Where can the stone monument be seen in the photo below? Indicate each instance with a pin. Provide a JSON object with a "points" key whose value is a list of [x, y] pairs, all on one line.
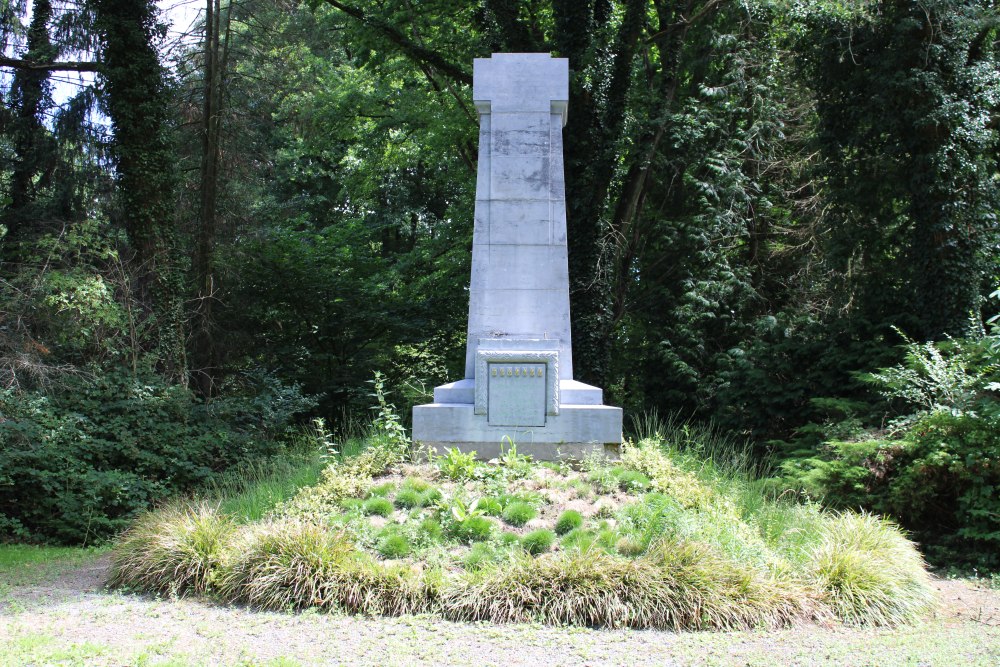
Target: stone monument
{"points": [[519, 356]]}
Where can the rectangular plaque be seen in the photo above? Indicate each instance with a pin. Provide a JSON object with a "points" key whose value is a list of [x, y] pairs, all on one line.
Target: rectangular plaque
{"points": [[516, 394]]}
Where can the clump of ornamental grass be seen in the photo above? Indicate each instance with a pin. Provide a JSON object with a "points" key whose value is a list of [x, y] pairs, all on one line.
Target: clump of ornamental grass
{"points": [[869, 573], [679, 587], [579, 539], [377, 506], [518, 513], [538, 541], [567, 521], [289, 564], [174, 550], [473, 529], [394, 546], [408, 499]]}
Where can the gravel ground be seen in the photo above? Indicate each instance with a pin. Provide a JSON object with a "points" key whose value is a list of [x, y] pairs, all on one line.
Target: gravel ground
{"points": [[70, 619]]}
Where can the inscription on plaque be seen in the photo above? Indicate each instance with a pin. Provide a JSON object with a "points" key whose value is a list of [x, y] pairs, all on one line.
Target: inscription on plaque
{"points": [[516, 394]]}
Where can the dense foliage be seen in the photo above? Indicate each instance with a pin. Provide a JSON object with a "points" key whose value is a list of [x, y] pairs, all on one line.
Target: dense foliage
{"points": [[767, 200]]}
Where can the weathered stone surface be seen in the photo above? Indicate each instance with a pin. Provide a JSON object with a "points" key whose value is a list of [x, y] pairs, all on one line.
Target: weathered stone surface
{"points": [[519, 288]]}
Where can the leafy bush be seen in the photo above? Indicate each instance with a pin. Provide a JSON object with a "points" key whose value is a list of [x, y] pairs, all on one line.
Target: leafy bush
{"points": [[935, 470], [567, 521], [519, 513], [457, 465], [538, 541], [77, 465]]}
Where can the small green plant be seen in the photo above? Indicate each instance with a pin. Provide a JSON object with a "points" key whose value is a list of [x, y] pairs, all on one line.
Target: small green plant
{"points": [[393, 546], [408, 499], [491, 505], [509, 458], [430, 497], [473, 529], [460, 511], [519, 513], [630, 546], [415, 484], [377, 506], [567, 521], [432, 529], [382, 490], [387, 425], [631, 480], [538, 541], [457, 465], [578, 538]]}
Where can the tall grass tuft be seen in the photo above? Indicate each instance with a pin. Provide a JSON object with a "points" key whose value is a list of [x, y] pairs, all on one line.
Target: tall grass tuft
{"points": [[869, 573], [286, 564], [175, 550], [678, 586]]}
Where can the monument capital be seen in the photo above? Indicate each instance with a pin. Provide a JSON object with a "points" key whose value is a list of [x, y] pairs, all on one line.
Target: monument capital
{"points": [[521, 83]]}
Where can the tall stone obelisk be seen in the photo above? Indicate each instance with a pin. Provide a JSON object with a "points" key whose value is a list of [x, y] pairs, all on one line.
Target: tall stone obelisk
{"points": [[519, 355]]}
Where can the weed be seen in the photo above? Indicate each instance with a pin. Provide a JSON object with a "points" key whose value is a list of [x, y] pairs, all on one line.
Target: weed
{"points": [[456, 465]]}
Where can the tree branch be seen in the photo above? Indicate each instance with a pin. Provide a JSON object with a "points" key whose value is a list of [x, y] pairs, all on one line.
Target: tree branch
{"points": [[82, 66], [408, 47]]}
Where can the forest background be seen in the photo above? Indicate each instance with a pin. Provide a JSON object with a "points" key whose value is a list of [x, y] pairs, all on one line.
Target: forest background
{"points": [[782, 221]]}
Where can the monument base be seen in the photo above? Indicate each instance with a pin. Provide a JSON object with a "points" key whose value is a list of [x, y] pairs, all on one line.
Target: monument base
{"points": [[443, 425]]}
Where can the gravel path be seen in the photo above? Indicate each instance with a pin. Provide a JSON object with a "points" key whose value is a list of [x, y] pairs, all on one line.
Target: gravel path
{"points": [[71, 619]]}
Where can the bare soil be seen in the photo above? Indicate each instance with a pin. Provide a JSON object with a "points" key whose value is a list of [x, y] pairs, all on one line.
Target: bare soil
{"points": [[69, 618]]}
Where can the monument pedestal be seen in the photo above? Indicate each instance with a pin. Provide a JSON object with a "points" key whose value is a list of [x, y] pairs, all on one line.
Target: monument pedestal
{"points": [[519, 358]]}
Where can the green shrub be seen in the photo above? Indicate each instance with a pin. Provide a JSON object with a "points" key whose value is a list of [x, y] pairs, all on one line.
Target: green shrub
{"points": [[174, 550], [457, 465], [519, 513], [937, 478], [79, 463], [377, 506], [538, 541], [408, 499], [567, 521], [393, 546]]}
